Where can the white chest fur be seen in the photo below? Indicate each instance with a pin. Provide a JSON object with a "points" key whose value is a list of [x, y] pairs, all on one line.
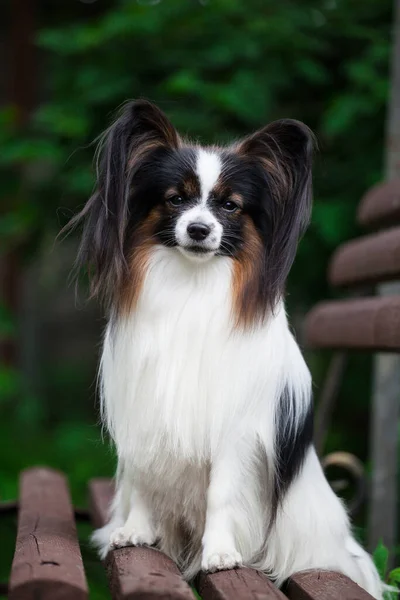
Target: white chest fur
{"points": [[177, 378]]}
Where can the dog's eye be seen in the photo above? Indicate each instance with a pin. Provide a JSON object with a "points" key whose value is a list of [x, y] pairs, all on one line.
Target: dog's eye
{"points": [[175, 200], [229, 206]]}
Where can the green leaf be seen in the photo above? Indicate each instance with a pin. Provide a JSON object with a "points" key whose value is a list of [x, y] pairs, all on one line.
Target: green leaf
{"points": [[381, 556], [333, 220], [196, 593], [63, 120], [313, 71], [345, 112], [23, 151], [394, 576]]}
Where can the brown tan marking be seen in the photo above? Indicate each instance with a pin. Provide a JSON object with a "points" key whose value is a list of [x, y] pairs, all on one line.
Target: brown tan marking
{"points": [[247, 273], [144, 241], [191, 186], [157, 132], [143, 147], [171, 192], [140, 152], [237, 199], [221, 189], [160, 123]]}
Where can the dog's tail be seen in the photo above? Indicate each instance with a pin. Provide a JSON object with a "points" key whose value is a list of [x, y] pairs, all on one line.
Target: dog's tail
{"points": [[369, 577]]}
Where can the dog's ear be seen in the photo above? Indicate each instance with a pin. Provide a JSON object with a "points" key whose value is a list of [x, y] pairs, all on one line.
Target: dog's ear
{"points": [[283, 151], [141, 129], [284, 148], [146, 128]]}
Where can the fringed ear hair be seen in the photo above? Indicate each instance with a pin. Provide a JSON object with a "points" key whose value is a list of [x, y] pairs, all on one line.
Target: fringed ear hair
{"points": [[283, 151], [140, 129]]}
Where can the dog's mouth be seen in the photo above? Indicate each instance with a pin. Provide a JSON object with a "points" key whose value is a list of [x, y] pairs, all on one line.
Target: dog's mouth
{"points": [[197, 251]]}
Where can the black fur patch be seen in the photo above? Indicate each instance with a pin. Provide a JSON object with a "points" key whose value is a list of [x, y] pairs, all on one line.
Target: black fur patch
{"points": [[291, 444], [161, 171]]}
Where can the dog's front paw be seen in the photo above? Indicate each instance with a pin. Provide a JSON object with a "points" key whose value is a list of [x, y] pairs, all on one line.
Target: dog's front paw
{"points": [[126, 536], [221, 560]]}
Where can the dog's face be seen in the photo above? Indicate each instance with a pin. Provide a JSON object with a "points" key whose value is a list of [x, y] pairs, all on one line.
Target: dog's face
{"points": [[249, 201], [199, 200], [201, 214]]}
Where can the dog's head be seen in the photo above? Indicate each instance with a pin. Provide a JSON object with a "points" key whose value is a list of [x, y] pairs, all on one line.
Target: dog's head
{"points": [[250, 201]]}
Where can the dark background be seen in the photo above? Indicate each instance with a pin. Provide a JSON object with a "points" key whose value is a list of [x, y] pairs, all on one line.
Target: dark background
{"points": [[219, 69]]}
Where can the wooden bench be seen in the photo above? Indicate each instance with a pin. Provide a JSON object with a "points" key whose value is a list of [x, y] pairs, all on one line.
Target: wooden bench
{"points": [[366, 323], [370, 323], [48, 564]]}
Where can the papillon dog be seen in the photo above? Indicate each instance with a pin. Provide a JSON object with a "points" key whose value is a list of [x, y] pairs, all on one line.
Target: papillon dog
{"points": [[204, 390]]}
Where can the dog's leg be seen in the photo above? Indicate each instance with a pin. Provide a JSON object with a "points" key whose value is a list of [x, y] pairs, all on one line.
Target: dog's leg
{"points": [[223, 505], [138, 529], [118, 512]]}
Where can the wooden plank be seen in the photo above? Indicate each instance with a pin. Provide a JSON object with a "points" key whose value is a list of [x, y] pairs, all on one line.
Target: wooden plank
{"points": [[47, 561], [324, 585], [134, 573], [363, 324], [238, 583], [381, 205], [370, 259]]}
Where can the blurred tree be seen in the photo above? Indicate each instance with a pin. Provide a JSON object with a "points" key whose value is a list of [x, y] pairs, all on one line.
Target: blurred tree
{"points": [[219, 69]]}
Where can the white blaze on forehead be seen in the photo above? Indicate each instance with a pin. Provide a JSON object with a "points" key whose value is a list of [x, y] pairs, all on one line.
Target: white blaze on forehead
{"points": [[208, 169]]}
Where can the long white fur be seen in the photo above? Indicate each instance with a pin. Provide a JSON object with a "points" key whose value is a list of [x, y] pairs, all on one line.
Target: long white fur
{"points": [[190, 404]]}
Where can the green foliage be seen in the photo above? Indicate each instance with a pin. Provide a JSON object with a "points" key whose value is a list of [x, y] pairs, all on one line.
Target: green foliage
{"points": [[394, 575], [219, 69], [381, 559]]}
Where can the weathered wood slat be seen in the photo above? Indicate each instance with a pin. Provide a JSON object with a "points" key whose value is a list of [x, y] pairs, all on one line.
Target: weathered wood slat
{"points": [[134, 573], [238, 583], [371, 259], [47, 561], [381, 205], [324, 585], [364, 324]]}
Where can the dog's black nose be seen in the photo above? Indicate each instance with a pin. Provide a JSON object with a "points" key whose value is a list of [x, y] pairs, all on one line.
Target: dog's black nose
{"points": [[198, 231]]}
